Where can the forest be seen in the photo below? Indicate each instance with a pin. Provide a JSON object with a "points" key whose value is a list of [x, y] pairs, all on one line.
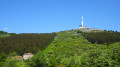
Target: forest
{"points": [[25, 42], [104, 37]]}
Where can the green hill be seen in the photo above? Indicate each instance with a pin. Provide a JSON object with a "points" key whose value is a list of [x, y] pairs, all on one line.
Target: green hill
{"points": [[71, 49]]}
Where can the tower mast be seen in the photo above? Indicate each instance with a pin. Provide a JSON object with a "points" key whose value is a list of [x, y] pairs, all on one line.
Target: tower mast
{"points": [[82, 21]]}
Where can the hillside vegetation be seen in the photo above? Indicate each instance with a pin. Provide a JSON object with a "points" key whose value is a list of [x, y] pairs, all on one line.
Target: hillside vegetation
{"points": [[22, 43], [71, 49], [3, 34]]}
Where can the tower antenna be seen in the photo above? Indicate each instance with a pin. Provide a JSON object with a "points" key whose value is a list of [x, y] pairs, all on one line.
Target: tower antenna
{"points": [[81, 26], [82, 21]]}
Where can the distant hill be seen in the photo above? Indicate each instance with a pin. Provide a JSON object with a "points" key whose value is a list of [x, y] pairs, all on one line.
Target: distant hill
{"points": [[72, 48]]}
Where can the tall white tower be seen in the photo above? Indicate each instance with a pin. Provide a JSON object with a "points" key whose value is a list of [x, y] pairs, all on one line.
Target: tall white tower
{"points": [[82, 21], [81, 26]]}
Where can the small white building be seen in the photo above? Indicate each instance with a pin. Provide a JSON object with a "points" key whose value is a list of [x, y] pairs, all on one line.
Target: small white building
{"points": [[27, 56], [82, 27]]}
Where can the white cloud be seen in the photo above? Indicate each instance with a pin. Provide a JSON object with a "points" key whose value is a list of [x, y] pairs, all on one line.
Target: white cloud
{"points": [[5, 28]]}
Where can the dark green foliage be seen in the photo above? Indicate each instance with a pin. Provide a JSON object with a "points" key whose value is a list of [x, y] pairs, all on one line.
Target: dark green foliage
{"points": [[22, 43], [105, 37], [2, 58], [2, 32], [79, 31], [12, 34]]}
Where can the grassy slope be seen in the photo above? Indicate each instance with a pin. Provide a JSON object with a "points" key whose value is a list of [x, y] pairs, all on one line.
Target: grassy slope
{"points": [[67, 41], [70, 48]]}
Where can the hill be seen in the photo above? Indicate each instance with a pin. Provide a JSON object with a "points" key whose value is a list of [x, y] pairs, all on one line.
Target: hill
{"points": [[72, 49]]}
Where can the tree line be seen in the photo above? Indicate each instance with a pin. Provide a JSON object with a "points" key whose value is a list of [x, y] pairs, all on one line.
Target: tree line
{"points": [[25, 42], [104, 37]]}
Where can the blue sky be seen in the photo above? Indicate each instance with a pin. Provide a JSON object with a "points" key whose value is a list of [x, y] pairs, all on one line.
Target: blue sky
{"points": [[45, 16]]}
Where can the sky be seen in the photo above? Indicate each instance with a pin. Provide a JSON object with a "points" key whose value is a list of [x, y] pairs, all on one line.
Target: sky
{"points": [[46, 16]]}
